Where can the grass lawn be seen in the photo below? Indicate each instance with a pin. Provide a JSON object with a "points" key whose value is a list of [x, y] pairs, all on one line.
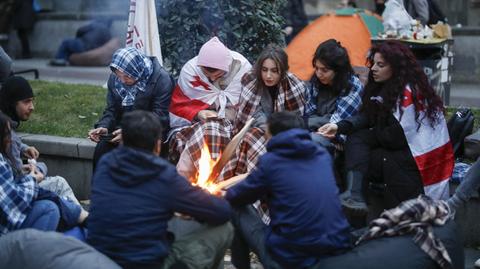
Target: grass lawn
{"points": [[64, 109], [71, 110]]}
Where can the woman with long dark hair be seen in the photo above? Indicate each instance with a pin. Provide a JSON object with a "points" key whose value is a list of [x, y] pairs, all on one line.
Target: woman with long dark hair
{"points": [[267, 89], [334, 92], [400, 138], [23, 204]]}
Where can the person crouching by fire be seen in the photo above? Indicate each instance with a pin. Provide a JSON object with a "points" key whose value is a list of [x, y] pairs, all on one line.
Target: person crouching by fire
{"points": [[297, 178], [134, 196]]}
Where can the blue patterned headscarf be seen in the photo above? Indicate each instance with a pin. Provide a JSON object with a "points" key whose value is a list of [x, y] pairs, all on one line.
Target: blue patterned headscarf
{"points": [[136, 65]]}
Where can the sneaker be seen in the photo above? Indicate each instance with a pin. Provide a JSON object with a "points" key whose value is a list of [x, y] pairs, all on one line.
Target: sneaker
{"points": [[58, 62], [359, 207], [477, 264]]}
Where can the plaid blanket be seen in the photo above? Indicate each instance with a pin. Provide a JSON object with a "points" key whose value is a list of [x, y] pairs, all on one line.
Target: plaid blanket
{"points": [[415, 216], [291, 97], [187, 144]]}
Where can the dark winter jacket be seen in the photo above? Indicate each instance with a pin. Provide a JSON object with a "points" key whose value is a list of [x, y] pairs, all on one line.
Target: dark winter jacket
{"points": [[391, 163], [296, 178], [295, 16], [155, 98], [94, 35], [134, 194]]}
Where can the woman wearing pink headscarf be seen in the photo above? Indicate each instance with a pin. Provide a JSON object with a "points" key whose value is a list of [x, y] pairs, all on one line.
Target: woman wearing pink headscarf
{"points": [[203, 104]]}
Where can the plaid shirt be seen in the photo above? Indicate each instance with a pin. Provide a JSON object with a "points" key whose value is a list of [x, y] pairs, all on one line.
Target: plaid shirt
{"points": [[415, 216], [16, 196], [347, 105]]}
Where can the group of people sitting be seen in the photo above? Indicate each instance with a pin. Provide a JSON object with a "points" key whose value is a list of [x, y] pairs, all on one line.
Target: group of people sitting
{"points": [[146, 213]]}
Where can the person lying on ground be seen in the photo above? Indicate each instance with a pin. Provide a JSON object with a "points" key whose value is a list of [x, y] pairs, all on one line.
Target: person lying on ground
{"points": [[88, 37]]}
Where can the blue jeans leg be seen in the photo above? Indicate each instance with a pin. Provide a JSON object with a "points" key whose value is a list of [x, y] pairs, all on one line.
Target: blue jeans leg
{"points": [[69, 47], [250, 226], [467, 188], [44, 216]]}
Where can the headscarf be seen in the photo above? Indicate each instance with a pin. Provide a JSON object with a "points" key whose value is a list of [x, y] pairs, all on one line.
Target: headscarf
{"points": [[214, 54], [14, 89], [136, 65]]}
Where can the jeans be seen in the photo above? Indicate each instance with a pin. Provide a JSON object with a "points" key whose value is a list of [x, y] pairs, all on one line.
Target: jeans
{"points": [[467, 187], [250, 233], [59, 186], [44, 216], [69, 47]]}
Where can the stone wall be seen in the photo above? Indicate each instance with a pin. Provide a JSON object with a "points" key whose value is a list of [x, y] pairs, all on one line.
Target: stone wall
{"points": [[70, 158]]}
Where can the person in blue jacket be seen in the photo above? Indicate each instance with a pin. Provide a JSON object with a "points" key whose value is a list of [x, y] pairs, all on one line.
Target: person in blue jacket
{"points": [[88, 37], [295, 177], [135, 194]]}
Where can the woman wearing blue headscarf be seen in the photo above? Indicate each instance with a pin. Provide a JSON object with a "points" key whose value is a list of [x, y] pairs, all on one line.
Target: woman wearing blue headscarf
{"points": [[136, 82]]}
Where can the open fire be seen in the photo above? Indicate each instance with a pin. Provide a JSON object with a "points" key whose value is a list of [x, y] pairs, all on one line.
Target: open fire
{"points": [[205, 167]]}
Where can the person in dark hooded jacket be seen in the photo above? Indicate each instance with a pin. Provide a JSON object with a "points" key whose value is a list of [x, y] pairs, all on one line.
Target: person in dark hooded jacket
{"points": [[88, 37], [134, 196], [296, 179]]}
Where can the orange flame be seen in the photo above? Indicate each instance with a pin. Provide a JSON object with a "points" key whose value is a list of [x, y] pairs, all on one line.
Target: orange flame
{"points": [[205, 167]]}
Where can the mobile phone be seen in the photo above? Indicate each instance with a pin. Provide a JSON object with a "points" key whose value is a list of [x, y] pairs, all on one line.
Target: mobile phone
{"points": [[106, 137]]}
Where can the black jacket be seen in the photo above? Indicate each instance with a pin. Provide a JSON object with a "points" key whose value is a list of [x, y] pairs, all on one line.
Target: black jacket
{"points": [[155, 98], [391, 162]]}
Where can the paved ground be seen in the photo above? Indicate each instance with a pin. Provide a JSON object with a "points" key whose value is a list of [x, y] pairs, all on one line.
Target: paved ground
{"points": [[461, 94]]}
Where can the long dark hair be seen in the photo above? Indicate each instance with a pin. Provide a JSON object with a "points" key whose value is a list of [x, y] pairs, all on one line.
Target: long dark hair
{"points": [[335, 57], [405, 71], [5, 135], [278, 55]]}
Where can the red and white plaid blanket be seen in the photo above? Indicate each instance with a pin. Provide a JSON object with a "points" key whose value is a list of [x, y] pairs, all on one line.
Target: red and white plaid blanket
{"points": [[291, 97]]}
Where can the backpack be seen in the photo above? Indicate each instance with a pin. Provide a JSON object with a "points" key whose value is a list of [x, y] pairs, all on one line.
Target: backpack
{"points": [[460, 125], [435, 13]]}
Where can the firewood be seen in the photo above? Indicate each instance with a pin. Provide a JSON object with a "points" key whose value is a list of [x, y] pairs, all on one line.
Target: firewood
{"points": [[229, 151]]}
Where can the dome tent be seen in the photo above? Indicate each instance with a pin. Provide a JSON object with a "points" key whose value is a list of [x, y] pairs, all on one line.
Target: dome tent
{"points": [[353, 28]]}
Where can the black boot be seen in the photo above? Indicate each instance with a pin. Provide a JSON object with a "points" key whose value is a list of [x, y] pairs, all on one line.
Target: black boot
{"points": [[352, 199]]}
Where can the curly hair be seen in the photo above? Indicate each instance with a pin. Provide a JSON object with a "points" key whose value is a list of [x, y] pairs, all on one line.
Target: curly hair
{"points": [[335, 57], [405, 71]]}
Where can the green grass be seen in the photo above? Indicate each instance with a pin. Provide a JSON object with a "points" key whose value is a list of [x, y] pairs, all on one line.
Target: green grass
{"points": [[71, 109], [64, 109]]}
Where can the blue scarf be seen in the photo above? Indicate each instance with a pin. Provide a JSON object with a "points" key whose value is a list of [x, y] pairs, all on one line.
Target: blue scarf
{"points": [[136, 65]]}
